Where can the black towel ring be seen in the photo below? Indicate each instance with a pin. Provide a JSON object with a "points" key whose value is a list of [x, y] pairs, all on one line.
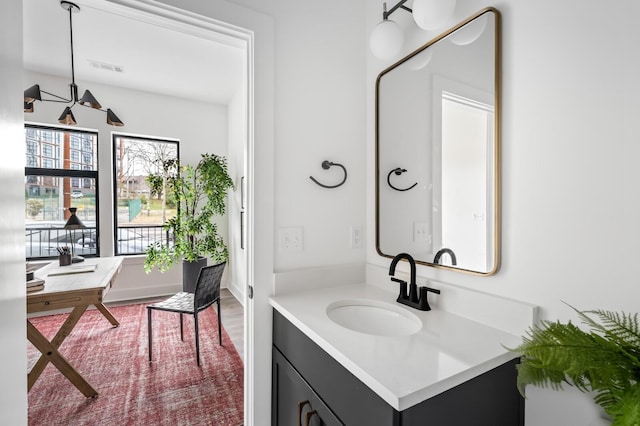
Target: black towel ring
{"points": [[327, 165], [398, 171]]}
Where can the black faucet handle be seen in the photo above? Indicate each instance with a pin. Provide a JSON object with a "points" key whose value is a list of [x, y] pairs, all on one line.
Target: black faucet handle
{"points": [[424, 301], [403, 288]]}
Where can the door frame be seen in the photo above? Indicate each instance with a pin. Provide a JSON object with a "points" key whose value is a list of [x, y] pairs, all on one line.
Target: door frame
{"points": [[248, 28]]}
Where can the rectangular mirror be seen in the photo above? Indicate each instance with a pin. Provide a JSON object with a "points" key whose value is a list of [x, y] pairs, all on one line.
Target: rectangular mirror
{"points": [[437, 150]]}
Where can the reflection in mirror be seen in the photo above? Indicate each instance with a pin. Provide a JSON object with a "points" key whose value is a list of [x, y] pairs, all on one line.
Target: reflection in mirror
{"points": [[437, 121]]}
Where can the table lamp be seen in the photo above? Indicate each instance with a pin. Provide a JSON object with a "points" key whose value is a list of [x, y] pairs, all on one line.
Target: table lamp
{"points": [[72, 224]]}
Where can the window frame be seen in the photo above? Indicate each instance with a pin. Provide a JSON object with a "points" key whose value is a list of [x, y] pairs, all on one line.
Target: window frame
{"points": [[73, 174], [114, 169]]}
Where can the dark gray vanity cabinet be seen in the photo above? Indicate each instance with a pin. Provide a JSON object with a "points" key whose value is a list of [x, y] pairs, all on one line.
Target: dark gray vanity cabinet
{"points": [[302, 371], [294, 402]]}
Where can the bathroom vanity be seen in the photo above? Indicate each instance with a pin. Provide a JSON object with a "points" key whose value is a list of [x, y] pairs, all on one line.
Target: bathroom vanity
{"points": [[351, 355], [451, 371]]}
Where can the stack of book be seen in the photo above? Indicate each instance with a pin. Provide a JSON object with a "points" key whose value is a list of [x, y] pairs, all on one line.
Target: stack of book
{"points": [[33, 283]]}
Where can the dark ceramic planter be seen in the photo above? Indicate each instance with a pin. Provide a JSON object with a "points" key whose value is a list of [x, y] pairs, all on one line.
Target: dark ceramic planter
{"points": [[190, 271]]}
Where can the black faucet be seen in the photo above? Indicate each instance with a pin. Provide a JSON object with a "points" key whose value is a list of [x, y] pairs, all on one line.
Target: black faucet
{"points": [[412, 299], [450, 252]]}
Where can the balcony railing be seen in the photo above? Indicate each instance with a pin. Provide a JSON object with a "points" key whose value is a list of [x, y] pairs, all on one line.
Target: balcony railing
{"points": [[136, 239], [42, 242]]}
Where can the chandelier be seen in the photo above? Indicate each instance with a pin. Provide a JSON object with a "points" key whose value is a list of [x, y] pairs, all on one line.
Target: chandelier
{"points": [[34, 93]]}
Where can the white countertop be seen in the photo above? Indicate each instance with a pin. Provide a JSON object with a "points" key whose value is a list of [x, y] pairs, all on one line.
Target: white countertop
{"points": [[405, 370]]}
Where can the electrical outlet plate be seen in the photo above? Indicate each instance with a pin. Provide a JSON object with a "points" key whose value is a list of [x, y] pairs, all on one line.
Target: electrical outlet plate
{"points": [[291, 239], [355, 237], [420, 232]]}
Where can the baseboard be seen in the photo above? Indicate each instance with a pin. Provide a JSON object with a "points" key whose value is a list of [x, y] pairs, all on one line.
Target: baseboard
{"points": [[120, 294]]}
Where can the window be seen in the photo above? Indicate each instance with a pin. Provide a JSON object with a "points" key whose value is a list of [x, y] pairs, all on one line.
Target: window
{"points": [[53, 173], [141, 208]]}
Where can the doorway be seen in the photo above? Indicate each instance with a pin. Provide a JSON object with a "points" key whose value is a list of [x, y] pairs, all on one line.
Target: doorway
{"points": [[240, 138]]}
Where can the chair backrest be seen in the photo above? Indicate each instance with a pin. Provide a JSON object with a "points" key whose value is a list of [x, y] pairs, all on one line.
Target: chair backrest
{"points": [[208, 286]]}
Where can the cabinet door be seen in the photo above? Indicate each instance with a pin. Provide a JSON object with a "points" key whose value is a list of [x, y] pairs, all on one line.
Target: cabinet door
{"points": [[491, 399], [294, 403], [353, 402]]}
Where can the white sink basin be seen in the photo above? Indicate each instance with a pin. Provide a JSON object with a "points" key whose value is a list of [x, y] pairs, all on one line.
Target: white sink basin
{"points": [[373, 317]]}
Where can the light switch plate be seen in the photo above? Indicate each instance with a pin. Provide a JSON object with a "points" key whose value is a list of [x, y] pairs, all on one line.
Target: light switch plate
{"points": [[291, 239]]}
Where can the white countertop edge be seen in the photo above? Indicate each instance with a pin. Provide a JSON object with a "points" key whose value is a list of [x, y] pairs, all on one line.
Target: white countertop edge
{"points": [[451, 382], [398, 402]]}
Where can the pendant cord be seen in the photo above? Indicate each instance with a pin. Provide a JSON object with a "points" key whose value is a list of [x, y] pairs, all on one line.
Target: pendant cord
{"points": [[74, 88]]}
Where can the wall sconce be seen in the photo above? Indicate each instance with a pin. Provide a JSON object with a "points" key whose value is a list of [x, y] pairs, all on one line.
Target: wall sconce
{"points": [[34, 93], [387, 37]]}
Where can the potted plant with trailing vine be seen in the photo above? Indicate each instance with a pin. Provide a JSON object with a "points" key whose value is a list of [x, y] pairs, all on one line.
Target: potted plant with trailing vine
{"points": [[200, 194], [604, 360]]}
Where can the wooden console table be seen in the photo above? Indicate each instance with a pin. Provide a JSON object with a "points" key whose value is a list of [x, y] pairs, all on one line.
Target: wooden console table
{"points": [[66, 287]]}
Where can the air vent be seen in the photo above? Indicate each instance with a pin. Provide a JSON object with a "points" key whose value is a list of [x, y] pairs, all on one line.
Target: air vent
{"points": [[106, 67]]}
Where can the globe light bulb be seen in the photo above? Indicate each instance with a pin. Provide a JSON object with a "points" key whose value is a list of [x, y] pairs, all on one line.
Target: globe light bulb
{"points": [[432, 14], [419, 61], [470, 32], [386, 39]]}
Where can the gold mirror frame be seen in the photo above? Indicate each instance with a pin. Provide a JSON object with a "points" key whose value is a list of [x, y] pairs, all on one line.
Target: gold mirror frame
{"points": [[381, 175]]}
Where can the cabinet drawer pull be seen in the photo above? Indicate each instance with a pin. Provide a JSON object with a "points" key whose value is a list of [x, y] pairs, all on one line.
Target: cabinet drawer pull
{"points": [[300, 407], [309, 415]]}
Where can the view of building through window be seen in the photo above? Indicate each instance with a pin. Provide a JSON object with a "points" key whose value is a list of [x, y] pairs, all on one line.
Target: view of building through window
{"points": [[139, 196], [61, 172]]}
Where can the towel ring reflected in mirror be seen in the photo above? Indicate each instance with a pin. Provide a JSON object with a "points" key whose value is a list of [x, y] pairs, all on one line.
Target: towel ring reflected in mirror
{"points": [[398, 171]]}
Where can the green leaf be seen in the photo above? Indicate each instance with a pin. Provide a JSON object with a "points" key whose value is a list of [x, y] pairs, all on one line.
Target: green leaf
{"points": [[604, 360]]}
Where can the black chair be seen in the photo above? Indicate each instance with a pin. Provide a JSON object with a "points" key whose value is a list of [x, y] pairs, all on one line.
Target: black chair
{"points": [[206, 293]]}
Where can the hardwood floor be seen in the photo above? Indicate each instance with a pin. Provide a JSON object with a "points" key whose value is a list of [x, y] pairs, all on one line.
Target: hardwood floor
{"points": [[232, 313], [232, 317]]}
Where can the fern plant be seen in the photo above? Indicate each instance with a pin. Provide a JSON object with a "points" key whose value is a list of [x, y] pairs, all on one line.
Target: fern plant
{"points": [[604, 360]]}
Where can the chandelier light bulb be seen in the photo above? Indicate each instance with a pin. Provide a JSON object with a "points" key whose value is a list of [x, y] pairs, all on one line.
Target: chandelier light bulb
{"points": [[386, 39], [432, 14]]}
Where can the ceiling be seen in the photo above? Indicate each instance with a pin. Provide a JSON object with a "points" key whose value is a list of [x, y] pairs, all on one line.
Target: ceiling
{"points": [[153, 57]]}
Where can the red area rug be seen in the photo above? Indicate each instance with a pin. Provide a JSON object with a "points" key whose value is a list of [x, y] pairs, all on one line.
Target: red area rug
{"points": [[172, 390]]}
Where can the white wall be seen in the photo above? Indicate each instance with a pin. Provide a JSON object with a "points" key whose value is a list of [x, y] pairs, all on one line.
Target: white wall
{"points": [[13, 350], [570, 148], [320, 113]]}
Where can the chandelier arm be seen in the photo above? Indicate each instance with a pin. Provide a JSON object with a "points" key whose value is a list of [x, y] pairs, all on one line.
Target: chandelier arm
{"points": [[399, 5], [60, 98], [89, 106], [407, 9]]}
